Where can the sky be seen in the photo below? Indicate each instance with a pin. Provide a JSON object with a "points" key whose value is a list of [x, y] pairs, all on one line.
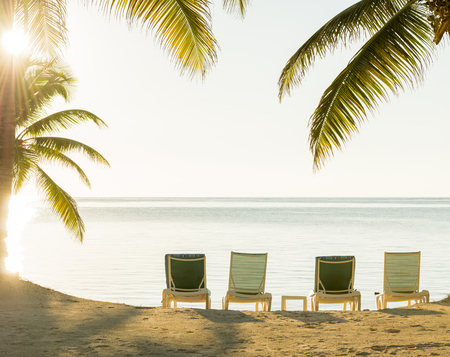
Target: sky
{"points": [[229, 136]]}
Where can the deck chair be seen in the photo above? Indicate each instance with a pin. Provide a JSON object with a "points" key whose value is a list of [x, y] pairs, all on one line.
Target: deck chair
{"points": [[247, 281], [186, 280], [333, 283], [401, 280]]}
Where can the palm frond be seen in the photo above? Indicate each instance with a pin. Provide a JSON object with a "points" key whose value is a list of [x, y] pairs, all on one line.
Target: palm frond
{"points": [[51, 156], [47, 80], [396, 57], [63, 120], [238, 7], [44, 22], [25, 161], [47, 147], [364, 18], [61, 203], [54, 73], [182, 27], [41, 82]]}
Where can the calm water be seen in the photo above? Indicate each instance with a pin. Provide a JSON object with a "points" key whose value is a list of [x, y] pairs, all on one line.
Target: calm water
{"points": [[122, 258]]}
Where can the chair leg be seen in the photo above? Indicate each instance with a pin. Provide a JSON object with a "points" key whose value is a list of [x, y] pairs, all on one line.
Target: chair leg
{"points": [[378, 302], [269, 303], [345, 306], [354, 304], [225, 303], [314, 303]]}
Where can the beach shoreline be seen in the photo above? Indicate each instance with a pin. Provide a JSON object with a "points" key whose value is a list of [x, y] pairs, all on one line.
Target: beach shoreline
{"points": [[37, 321]]}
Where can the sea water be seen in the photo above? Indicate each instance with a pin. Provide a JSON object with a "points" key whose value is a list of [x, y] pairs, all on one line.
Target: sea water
{"points": [[122, 256]]}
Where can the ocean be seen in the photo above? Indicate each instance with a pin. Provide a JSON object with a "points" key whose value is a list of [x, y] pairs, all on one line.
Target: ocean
{"points": [[122, 256]]}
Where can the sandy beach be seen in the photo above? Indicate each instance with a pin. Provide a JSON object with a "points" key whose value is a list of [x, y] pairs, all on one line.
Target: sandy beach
{"points": [[36, 321]]}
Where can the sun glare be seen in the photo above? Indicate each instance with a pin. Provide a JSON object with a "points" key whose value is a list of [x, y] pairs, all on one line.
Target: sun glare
{"points": [[20, 213], [15, 42]]}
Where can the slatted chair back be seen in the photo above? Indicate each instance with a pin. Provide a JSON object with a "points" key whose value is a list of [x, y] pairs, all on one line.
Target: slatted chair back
{"points": [[334, 274], [402, 272], [248, 273], [185, 272]]}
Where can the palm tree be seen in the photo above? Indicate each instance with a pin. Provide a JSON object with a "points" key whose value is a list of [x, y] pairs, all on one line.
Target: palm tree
{"points": [[396, 55], [182, 28], [7, 126], [34, 146]]}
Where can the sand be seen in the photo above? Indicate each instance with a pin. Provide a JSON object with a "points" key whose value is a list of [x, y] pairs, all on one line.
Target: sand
{"points": [[36, 321]]}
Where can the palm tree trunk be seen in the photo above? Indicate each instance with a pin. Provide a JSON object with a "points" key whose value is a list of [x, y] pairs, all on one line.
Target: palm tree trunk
{"points": [[7, 127]]}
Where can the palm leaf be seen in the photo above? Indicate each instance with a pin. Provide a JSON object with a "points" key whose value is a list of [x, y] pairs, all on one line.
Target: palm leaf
{"points": [[56, 157], [41, 76], [44, 23], [47, 80], [40, 83], [48, 146], [61, 203], [182, 27], [238, 7], [62, 120], [25, 161], [365, 17], [395, 57]]}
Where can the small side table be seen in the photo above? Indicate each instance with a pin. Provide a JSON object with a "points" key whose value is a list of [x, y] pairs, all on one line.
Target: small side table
{"points": [[284, 298]]}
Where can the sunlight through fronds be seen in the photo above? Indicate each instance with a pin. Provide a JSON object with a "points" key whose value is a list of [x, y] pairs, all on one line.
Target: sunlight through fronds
{"points": [[50, 78], [61, 203], [237, 7], [40, 84], [41, 81], [395, 58], [44, 24], [182, 27]]}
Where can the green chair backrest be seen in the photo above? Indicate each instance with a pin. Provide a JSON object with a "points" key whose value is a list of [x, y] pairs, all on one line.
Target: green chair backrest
{"points": [[185, 272], [334, 274], [402, 272], [248, 273]]}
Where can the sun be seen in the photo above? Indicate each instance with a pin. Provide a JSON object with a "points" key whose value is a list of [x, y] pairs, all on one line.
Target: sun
{"points": [[15, 42]]}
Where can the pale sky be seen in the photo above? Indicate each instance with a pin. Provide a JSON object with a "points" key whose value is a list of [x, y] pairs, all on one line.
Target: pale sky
{"points": [[229, 135]]}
